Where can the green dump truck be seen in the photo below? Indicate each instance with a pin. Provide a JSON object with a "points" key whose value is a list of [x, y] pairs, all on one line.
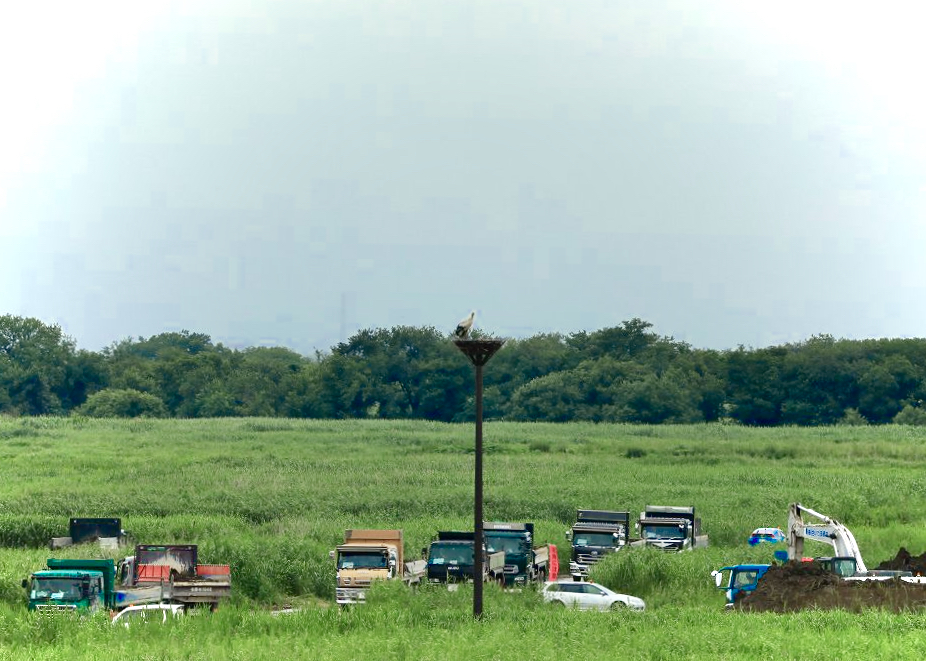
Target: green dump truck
{"points": [[85, 585]]}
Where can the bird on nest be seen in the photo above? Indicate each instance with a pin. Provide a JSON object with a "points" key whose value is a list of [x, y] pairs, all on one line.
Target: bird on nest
{"points": [[465, 326]]}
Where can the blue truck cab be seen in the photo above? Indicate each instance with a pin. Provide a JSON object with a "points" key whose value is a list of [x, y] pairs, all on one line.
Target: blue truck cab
{"points": [[740, 580]]}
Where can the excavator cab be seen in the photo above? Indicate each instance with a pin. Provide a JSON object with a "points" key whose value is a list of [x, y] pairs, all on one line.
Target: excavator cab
{"points": [[843, 567]]}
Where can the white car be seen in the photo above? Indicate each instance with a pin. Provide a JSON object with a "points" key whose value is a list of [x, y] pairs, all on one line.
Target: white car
{"points": [[586, 595], [148, 613]]}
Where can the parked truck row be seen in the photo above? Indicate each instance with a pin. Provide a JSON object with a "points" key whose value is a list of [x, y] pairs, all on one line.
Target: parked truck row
{"points": [[172, 573], [597, 533], [169, 573], [508, 552]]}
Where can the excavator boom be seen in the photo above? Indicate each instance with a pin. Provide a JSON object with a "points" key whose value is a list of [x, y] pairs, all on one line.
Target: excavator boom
{"points": [[826, 530]]}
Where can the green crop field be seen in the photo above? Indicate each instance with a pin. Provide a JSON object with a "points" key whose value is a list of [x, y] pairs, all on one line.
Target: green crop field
{"points": [[271, 497]]}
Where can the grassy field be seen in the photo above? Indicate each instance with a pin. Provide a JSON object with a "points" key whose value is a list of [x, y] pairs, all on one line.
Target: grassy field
{"points": [[272, 497]]}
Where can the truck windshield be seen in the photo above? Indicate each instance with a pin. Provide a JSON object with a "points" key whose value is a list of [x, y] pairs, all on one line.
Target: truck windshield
{"points": [[451, 554], [595, 539], [507, 544], [362, 561], [663, 532], [745, 578], [58, 588]]}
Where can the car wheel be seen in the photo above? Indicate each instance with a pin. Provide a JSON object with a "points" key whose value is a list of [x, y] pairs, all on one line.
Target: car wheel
{"points": [[618, 606], [559, 604]]}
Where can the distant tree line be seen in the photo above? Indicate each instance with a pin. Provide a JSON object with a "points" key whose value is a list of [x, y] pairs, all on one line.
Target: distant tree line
{"points": [[625, 373]]}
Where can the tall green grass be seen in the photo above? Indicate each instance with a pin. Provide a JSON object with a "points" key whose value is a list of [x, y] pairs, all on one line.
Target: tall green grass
{"points": [[438, 625], [272, 497]]}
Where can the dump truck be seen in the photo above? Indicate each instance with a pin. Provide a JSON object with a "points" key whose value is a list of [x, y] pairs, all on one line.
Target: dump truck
{"points": [[107, 532], [85, 585], [450, 559], [154, 574], [670, 528], [524, 563], [595, 534], [171, 572], [371, 555]]}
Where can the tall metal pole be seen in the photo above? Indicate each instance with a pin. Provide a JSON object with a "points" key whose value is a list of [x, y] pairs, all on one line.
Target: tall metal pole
{"points": [[477, 513], [479, 352]]}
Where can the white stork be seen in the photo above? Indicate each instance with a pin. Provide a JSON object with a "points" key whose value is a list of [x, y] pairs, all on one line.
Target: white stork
{"points": [[465, 326]]}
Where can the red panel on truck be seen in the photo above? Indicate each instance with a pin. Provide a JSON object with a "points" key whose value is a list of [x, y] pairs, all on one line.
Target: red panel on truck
{"points": [[213, 570], [153, 573]]}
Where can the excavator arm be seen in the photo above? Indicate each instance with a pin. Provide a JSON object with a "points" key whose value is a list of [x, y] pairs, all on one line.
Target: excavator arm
{"points": [[826, 530]]}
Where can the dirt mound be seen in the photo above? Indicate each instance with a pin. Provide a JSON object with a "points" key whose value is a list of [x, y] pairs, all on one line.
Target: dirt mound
{"points": [[797, 586], [903, 560]]}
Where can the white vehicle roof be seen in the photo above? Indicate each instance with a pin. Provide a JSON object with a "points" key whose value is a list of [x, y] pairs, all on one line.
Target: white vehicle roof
{"points": [[153, 607], [597, 585], [173, 609]]}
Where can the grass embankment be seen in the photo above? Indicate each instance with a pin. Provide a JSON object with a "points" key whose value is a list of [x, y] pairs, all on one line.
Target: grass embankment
{"points": [[272, 497]]}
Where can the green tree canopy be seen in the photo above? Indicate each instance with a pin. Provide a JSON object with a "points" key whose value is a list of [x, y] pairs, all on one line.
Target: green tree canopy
{"points": [[123, 403]]}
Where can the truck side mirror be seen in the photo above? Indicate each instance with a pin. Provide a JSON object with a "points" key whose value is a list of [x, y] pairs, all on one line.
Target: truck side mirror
{"points": [[424, 552], [568, 535], [331, 554], [25, 584], [718, 578]]}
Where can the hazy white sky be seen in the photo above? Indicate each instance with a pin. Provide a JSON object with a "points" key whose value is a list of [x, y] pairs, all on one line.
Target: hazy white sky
{"points": [[288, 172]]}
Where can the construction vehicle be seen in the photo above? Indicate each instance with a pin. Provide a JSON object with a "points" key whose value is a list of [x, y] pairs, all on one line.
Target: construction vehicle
{"points": [[595, 534], [86, 585], [847, 561], [670, 528], [450, 559], [105, 531], [371, 555], [740, 580], [523, 563], [154, 574], [171, 572]]}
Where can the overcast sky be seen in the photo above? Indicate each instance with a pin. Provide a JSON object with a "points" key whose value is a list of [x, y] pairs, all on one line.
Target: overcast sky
{"points": [[285, 173]]}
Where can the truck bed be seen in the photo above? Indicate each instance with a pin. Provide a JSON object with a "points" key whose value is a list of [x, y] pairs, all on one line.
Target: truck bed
{"points": [[210, 584]]}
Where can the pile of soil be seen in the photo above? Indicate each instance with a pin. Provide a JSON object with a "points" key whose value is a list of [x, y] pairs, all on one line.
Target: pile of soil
{"points": [[798, 586], [903, 560]]}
